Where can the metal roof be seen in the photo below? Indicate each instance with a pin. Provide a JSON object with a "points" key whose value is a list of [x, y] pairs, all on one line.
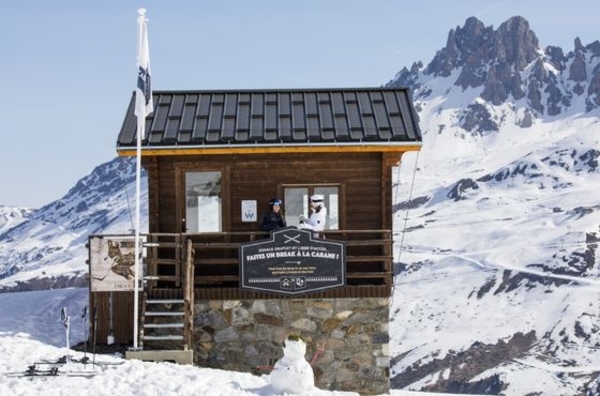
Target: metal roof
{"points": [[207, 120]]}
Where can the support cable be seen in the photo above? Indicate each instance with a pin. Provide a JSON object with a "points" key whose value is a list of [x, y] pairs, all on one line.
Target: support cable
{"points": [[412, 185]]}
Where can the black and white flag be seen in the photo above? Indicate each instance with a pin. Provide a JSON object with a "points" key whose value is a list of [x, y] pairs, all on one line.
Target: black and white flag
{"points": [[143, 93]]}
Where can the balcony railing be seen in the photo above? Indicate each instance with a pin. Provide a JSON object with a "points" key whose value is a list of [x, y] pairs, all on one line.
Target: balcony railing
{"points": [[216, 264]]}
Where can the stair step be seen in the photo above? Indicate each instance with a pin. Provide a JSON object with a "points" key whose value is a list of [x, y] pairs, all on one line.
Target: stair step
{"points": [[162, 338], [165, 301], [161, 313], [163, 325]]}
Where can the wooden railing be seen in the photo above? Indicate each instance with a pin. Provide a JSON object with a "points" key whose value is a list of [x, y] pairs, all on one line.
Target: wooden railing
{"points": [[188, 296], [216, 264]]}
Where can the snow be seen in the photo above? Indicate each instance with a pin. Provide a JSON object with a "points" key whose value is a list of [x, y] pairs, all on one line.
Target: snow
{"points": [[292, 373], [534, 223], [31, 329]]}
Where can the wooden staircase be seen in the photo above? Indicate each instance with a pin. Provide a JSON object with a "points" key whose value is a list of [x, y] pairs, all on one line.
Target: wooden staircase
{"points": [[163, 320], [167, 321]]}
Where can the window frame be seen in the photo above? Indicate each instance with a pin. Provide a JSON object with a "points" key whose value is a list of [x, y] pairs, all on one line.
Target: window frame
{"points": [[311, 187], [181, 195]]}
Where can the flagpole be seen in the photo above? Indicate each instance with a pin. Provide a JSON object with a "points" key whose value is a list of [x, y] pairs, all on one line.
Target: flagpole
{"points": [[143, 107], [136, 298]]}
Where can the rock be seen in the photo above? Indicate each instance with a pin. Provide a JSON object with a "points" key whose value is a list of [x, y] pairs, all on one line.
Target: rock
{"points": [[577, 70]]}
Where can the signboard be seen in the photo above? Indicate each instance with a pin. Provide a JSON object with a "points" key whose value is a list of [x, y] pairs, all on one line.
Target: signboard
{"points": [[112, 263], [249, 211], [292, 262]]}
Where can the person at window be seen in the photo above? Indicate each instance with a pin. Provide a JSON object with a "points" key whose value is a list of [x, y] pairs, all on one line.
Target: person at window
{"points": [[316, 221], [273, 219]]}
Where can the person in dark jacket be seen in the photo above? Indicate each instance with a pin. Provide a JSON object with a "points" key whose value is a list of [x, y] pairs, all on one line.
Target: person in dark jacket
{"points": [[273, 219]]}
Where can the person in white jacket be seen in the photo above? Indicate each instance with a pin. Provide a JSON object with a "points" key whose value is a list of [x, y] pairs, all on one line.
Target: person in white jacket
{"points": [[316, 221]]}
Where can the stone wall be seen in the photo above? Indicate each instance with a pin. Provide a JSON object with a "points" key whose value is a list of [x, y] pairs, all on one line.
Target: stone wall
{"points": [[348, 338]]}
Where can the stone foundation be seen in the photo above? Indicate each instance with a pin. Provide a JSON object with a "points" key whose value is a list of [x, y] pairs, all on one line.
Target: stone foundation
{"points": [[348, 338]]}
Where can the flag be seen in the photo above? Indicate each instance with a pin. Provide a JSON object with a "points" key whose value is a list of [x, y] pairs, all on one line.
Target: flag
{"points": [[143, 92]]}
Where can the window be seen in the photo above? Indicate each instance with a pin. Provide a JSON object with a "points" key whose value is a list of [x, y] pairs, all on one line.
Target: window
{"points": [[296, 202], [203, 201]]}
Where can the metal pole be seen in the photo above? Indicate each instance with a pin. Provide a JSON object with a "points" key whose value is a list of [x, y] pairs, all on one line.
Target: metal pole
{"points": [[141, 127], [143, 108]]}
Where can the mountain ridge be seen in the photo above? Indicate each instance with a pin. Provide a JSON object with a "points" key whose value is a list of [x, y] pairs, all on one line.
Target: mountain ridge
{"points": [[54, 237], [507, 63]]}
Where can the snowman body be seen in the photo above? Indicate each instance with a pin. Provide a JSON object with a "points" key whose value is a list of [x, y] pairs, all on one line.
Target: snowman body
{"points": [[292, 373]]}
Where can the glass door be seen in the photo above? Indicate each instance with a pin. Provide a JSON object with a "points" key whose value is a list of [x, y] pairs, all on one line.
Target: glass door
{"points": [[203, 201]]}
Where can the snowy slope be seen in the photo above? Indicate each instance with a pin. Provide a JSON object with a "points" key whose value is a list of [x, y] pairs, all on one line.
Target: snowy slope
{"points": [[498, 284], [26, 339], [45, 248]]}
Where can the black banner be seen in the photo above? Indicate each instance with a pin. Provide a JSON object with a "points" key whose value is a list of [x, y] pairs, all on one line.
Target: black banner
{"points": [[292, 262]]}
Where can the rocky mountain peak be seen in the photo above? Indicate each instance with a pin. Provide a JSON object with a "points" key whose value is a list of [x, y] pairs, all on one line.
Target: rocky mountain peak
{"points": [[474, 45], [515, 44], [507, 65]]}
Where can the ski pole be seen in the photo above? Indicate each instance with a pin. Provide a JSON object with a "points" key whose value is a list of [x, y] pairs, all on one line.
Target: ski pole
{"points": [[66, 321], [85, 337], [95, 316]]}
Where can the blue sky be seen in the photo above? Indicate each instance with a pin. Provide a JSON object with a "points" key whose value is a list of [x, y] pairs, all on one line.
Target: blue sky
{"points": [[68, 69]]}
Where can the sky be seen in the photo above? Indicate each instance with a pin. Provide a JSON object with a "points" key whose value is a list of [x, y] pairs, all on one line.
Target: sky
{"points": [[68, 68], [40, 335]]}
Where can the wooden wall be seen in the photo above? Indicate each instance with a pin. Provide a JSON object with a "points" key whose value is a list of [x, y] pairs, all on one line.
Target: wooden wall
{"points": [[364, 177], [122, 317]]}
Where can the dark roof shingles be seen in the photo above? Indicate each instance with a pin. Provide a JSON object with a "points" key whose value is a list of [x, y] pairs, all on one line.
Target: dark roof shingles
{"points": [[288, 117]]}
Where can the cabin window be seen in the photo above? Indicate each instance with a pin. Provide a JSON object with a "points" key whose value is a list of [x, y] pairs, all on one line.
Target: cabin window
{"points": [[203, 201], [296, 202]]}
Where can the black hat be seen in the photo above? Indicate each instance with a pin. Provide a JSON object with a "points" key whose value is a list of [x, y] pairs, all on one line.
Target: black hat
{"points": [[275, 201]]}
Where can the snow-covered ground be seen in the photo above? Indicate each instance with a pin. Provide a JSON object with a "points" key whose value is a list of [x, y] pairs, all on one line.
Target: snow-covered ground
{"points": [[497, 251], [31, 329]]}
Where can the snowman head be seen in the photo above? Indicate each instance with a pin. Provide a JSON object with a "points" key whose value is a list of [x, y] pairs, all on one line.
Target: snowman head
{"points": [[294, 347]]}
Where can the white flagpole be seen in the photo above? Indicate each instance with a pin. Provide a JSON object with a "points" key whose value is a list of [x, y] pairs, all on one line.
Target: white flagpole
{"points": [[136, 298], [143, 107]]}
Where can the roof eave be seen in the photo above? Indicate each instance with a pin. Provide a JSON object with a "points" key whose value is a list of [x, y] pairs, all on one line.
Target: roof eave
{"points": [[275, 148]]}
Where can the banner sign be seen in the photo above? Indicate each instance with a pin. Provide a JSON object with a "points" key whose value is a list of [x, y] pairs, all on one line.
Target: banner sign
{"points": [[112, 263], [292, 262]]}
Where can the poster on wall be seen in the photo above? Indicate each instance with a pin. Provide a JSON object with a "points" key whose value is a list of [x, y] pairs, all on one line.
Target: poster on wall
{"points": [[112, 263], [248, 211]]}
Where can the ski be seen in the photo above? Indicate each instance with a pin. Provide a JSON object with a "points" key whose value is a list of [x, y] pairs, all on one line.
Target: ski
{"points": [[33, 371], [64, 360], [85, 360], [68, 359]]}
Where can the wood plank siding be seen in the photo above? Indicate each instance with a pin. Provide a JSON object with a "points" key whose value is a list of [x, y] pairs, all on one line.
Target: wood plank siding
{"points": [[366, 201]]}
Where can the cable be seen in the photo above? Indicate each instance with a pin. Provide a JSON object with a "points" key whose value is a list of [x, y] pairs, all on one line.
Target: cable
{"points": [[412, 185]]}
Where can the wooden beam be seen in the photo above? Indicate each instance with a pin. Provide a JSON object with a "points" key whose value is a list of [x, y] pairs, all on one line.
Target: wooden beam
{"points": [[364, 148]]}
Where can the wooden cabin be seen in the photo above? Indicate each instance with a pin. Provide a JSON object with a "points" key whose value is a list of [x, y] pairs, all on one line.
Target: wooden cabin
{"points": [[214, 159]]}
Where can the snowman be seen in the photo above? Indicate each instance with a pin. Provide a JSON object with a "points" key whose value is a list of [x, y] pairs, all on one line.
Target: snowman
{"points": [[292, 373]]}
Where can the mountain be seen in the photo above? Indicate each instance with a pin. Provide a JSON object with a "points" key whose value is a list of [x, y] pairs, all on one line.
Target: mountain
{"points": [[46, 248], [507, 67], [497, 268], [497, 283]]}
